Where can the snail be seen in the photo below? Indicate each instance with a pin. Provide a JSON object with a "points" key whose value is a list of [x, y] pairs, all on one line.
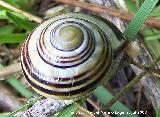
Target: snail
{"points": [[67, 56]]}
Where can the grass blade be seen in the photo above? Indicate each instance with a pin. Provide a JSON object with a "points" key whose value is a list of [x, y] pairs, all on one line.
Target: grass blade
{"points": [[153, 37], [21, 20], [13, 38], [70, 109], [104, 96], [12, 2], [3, 14], [4, 115], [131, 6], [7, 29], [19, 87]]}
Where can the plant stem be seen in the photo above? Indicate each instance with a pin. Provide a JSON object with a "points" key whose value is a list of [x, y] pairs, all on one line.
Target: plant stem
{"points": [[147, 69], [25, 106], [11, 69], [127, 87], [30, 16], [108, 11]]}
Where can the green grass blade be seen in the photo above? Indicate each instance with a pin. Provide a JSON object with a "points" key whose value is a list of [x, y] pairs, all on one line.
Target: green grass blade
{"points": [[4, 115], [13, 38], [104, 96], [138, 20], [13, 3], [131, 6], [3, 14], [147, 32], [154, 45], [153, 37], [20, 4], [139, 3], [23, 4], [69, 110], [158, 113], [21, 20], [155, 30], [19, 87], [18, 19], [155, 12], [4, 8], [32, 101], [7, 29]]}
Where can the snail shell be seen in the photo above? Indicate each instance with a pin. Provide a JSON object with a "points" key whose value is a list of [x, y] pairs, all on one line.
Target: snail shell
{"points": [[67, 56]]}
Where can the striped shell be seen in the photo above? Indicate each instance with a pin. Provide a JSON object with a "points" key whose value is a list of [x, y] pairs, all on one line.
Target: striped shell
{"points": [[67, 56]]}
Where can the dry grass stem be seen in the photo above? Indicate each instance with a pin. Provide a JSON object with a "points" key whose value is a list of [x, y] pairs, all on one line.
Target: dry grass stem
{"points": [[11, 69], [109, 11], [30, 16]]}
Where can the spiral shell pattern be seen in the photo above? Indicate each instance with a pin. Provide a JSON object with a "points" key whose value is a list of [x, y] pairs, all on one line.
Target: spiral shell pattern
{"points": [[67, 56]]}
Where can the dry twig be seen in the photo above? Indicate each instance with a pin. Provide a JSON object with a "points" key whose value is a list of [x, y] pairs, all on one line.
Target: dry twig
{"points": [[109, 11], [11, 69]]}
